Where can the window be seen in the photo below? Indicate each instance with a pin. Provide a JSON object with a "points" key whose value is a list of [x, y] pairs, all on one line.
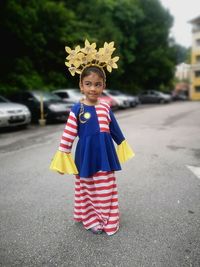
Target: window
{"points": [[62, 95], [197, 73], [153, 93], [198, 59], [196, 28], [197, 89], [144, 93], [198, 42]]}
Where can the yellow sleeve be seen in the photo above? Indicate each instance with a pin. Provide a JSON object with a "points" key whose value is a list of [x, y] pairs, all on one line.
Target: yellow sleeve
{"points": [[64, 163], [124, 152]]}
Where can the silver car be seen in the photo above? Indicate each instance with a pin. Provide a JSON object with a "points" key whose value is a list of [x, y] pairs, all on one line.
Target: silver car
{"points": [[120, 98], [13, 114], [70, 96]]}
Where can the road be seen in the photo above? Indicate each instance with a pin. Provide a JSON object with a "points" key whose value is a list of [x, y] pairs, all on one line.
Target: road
{"points": [[159, 195]]}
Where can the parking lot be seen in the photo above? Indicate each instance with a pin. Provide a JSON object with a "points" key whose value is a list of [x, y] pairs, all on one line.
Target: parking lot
{"points": [[158, 195]]}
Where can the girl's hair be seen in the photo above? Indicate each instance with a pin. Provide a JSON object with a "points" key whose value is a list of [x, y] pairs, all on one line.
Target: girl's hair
{"points": [[88, 70]]}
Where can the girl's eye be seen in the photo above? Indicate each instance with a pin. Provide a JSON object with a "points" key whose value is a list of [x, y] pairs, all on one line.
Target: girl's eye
{"points": [[98, 85], [87, 83]]}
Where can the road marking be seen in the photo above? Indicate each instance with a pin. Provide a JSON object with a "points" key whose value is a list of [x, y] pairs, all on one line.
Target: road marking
{"points": [[195, 170]]}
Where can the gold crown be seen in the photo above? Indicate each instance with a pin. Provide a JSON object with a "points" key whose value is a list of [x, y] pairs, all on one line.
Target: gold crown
{"points": [[80, 58]]}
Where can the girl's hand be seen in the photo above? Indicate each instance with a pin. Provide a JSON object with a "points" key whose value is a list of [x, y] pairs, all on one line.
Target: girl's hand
{"points": [[60, 173]]}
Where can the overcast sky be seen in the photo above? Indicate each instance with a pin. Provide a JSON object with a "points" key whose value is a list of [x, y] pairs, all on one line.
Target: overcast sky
{"points": [[182, 11]]}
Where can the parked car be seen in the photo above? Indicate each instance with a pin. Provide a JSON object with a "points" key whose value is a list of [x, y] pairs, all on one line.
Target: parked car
{"points": [[176, 96], [110, 100], [121, 100], [12, 114], [54, 108], [132, 100], [70, 96], [153, 96]]}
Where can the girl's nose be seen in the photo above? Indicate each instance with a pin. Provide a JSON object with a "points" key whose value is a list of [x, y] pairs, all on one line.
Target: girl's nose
{"points": [[93, 88]]}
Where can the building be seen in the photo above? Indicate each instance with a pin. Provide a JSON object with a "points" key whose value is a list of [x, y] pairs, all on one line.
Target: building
{"points": [[195, 60], [183, 71]]}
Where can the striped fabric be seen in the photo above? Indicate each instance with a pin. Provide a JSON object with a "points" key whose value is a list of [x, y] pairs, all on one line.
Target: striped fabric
{"points": [[102, 111], [96, 201], [70, 133]]}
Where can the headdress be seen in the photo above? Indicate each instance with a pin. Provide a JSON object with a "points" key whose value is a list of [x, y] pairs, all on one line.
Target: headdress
{"points": [[80, 58]]}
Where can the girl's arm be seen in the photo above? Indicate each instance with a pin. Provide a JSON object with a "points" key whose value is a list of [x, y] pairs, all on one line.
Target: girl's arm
{"points": [[115, 130], [63, 161], [69, 134], [124, 151]]}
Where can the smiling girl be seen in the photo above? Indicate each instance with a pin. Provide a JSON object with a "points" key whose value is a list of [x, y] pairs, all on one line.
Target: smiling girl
{"points": [[96, 159]]}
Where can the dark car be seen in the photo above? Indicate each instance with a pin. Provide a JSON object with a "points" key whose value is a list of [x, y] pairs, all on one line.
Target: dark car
{"points": [[176, 96], [54, 108], [153, 96]]}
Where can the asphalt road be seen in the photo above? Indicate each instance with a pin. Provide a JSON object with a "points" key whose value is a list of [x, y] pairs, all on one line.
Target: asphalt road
{"points": [[159, 194]]}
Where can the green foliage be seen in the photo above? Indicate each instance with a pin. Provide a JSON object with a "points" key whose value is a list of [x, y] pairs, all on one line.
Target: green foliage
{"points": [[182, 53], [154, 63], [34, 34]]}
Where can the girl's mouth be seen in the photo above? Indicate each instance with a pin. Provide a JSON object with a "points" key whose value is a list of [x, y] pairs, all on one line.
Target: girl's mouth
{"points": [[93, 95]]}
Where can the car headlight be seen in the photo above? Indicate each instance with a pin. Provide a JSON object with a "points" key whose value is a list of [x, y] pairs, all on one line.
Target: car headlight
{"points": [[57, 108], [26, 110], [53, 107]]}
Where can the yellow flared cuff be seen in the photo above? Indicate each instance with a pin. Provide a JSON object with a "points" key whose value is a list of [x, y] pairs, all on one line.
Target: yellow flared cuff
{"points": [[124, 152], [64, 163]]}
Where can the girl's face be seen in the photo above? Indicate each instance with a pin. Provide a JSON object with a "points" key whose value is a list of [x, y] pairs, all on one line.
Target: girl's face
{"points": [[92, 87]]}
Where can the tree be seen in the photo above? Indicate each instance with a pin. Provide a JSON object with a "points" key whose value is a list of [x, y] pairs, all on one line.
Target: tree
{"points": [[154, 61], [34, 34]]}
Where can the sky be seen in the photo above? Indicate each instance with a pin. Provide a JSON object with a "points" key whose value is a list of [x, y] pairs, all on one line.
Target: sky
{"points": [[182, 11]]}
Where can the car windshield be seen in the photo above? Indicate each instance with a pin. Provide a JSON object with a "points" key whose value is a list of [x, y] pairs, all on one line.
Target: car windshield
{"points": [[114, 93], [104, 94], [48, 97], [3, 100], [75, 92]]}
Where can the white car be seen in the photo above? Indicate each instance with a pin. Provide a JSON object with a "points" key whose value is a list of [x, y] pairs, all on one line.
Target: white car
{"points": [[70, 96], [13, 114], [120, 98], [132, 99]]}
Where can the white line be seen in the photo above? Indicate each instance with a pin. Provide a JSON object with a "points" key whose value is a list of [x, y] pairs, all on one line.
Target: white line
{"points": [[194, 170]]}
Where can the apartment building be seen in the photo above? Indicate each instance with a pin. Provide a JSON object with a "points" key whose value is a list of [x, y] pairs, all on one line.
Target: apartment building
{"points": [[183, 71], [195, 60]]}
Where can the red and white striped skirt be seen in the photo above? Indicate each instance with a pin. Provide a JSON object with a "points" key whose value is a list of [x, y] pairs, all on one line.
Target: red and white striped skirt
{"points": [[96, 201]]}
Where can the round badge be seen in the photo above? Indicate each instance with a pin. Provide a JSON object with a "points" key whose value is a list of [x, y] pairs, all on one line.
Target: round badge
{"points": [[87, 115]]}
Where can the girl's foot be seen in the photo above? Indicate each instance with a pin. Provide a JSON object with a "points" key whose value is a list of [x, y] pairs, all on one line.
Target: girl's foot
{"points": [[97, 229]]}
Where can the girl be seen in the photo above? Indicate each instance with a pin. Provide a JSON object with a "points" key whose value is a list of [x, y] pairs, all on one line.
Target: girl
{"points": [[96, 160]]}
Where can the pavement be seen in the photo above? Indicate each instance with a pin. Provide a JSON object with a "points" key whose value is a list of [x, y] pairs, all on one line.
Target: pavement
{"points": [[159, 196]]}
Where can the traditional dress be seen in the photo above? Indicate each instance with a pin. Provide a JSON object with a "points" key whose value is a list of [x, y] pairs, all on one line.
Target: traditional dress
{"points": [[96, 160]]}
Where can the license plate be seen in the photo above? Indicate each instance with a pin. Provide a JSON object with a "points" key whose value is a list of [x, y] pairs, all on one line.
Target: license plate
{"points": [[17, 118]]}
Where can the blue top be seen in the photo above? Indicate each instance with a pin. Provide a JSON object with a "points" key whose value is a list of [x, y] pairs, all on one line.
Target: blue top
{"points": [[95, 149]]}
